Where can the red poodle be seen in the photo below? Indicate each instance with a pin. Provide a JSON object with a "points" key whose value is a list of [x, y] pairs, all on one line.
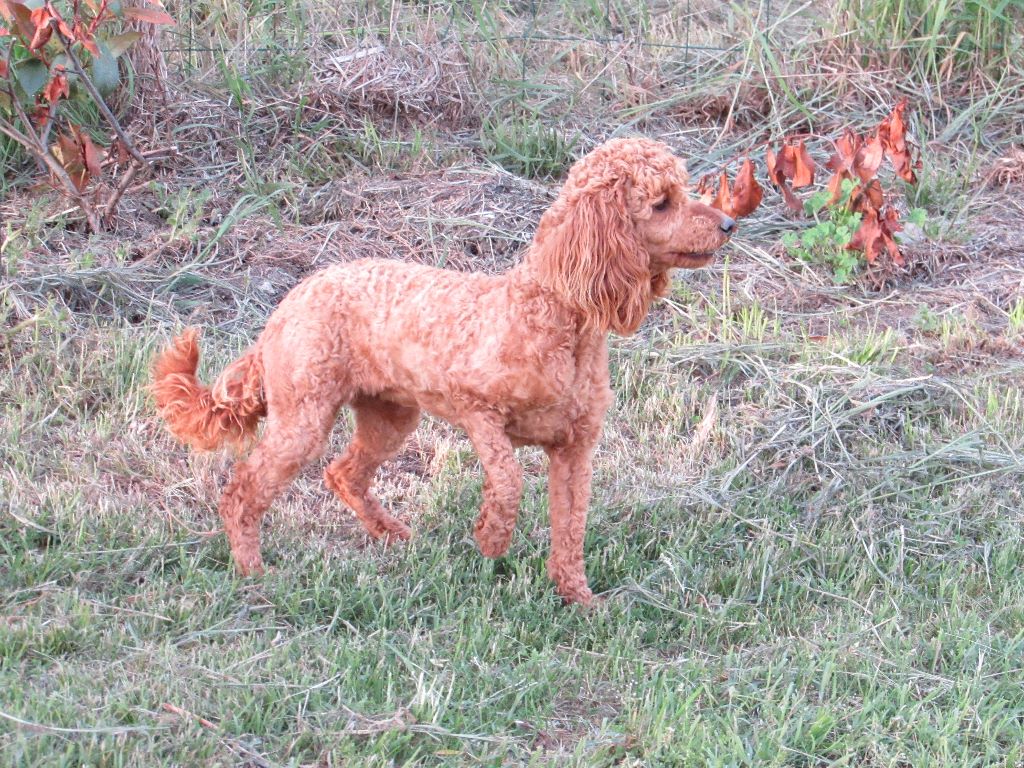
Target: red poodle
{"points": [[516, 359]]}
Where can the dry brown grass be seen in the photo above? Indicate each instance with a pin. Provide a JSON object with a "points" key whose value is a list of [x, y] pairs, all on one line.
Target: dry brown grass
{"points": [[417, 83]]}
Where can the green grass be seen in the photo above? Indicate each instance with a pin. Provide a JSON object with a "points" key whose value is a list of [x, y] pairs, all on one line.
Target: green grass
{"points": [[831, 578], [938, 35], [528, 149]]}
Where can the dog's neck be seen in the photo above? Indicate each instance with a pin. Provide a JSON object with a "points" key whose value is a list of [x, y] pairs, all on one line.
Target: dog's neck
{"points": [[526, 283], [531, 276]]}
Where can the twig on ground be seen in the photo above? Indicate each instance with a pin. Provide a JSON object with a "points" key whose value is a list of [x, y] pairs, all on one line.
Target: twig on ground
{"points": [[184, 713]]}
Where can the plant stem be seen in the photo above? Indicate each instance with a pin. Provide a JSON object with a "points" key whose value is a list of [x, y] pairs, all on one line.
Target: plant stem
{"points": [[51, 115], [42, 153], [111, 204], [18, 136], [100, 103]]}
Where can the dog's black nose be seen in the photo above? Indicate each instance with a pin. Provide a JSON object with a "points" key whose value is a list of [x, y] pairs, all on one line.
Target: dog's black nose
{"points": [[727, 225]]}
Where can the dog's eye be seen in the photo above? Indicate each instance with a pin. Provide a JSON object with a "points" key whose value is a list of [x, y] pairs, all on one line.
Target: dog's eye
{"points": [[662, 205]]}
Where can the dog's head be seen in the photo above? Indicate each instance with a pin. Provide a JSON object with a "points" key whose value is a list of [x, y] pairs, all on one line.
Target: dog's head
{"points": [[621, 222]]}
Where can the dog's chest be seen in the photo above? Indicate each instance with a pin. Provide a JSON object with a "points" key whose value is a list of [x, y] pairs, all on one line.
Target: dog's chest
{"points": [[578, 397]]}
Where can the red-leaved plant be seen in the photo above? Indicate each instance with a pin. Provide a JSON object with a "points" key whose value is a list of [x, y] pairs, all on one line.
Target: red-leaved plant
{"points": [[854, 183], [52, 55]]}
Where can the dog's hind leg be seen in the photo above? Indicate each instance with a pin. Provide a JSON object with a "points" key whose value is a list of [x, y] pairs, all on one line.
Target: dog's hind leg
{"points": [[288, 443], [381, 430]]}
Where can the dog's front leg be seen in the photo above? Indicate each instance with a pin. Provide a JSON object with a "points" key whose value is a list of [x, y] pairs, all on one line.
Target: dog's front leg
{"points": [[568, 499], [503, 484]]}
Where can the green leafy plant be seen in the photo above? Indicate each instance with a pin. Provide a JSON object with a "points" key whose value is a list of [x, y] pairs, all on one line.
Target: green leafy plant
{"points": [[183, 210], [57, 60], [927, 320], [826, 241]]}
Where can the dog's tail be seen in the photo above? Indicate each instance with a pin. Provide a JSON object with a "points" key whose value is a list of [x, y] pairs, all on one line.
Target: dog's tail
{"points": [[207, 418]]}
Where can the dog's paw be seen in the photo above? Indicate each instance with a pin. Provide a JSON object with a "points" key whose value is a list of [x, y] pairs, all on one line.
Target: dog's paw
{"points": [[583, 597], [576, 593], [251, 567], [492, 540], [396, 533], [492, 548]]}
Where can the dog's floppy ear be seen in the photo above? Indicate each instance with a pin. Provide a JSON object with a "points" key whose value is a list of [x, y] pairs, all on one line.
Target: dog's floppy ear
{"points": [[588, 251]]}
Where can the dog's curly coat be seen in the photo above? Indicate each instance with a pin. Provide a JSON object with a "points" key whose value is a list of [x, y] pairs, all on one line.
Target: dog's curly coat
{"points": [[515, 359]]}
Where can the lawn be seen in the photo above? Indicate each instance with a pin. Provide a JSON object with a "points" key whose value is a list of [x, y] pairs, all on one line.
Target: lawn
{"points": [[806, 526]]}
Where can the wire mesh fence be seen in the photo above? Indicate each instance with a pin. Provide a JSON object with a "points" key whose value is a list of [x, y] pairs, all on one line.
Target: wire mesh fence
{"points": [[611, 26]]}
